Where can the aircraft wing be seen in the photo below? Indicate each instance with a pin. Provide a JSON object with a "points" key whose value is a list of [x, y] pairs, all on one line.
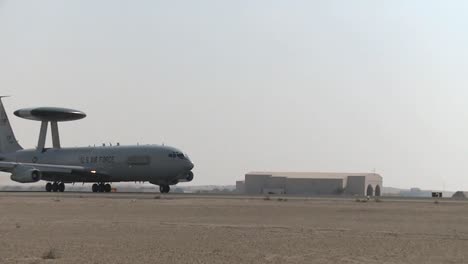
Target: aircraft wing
{"points": [[10, 166], [50, 172]]}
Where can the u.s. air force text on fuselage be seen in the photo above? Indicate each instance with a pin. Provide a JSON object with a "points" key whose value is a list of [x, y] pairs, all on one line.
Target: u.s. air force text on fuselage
{"points": [[96, 159]]}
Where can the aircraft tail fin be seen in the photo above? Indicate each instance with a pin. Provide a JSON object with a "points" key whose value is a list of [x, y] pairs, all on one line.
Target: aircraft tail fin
{"points": [[8, 142]]}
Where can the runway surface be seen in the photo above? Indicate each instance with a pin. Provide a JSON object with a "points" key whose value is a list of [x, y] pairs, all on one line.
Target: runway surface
{"points": [[189, 228], [172, 196]]}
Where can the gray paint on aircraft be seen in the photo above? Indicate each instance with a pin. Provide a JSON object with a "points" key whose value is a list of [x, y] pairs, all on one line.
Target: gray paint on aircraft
{"points": [[160, 165]]}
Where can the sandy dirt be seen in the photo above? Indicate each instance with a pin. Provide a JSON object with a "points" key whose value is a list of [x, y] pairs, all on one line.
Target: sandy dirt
{"points": [[92, 229]]}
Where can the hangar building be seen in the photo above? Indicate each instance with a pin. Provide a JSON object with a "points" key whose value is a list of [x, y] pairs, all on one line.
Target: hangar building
{"points": [[311, 183]]}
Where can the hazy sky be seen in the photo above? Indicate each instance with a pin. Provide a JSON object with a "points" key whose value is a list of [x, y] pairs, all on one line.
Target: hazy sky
{"points": [[346, 86]]}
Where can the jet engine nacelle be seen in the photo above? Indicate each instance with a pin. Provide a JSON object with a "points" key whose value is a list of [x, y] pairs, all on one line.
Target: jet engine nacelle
{"points": [[25, 174]]}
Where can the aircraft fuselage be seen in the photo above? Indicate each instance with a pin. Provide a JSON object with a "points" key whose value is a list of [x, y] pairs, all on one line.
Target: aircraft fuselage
{"points": [[161, 165]]}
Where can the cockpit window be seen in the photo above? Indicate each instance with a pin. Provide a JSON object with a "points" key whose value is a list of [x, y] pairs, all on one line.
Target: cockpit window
{"points": [[177, 155]]}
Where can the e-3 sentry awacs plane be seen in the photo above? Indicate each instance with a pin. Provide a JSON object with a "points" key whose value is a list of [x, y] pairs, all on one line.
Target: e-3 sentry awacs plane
{"points": [[160, 165]]}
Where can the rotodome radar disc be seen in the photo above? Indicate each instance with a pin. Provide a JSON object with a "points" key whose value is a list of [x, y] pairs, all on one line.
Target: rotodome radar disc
{"points": [[51, 114]]}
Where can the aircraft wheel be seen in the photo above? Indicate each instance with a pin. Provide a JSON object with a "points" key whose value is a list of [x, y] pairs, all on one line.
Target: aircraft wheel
{"points": [[164, 188], [107, 188], [48, 187], [61, 187], [55, 187], [95, 188], [101, 187]]}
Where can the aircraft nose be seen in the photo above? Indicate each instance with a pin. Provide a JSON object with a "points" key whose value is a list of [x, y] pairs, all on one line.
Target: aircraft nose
{"points": [[190, 165]]}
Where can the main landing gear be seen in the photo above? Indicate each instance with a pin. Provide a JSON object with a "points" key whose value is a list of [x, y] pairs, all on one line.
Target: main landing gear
{"points": [[101, 187], [164, 188], [55, 187]]}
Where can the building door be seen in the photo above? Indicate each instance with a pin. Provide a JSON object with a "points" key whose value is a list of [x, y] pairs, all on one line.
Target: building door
{"points": [[370, 190], [377, 190]]}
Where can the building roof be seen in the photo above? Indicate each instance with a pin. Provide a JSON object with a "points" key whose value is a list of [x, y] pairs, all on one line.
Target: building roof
{"points": [[314, 175], [460, 195]]}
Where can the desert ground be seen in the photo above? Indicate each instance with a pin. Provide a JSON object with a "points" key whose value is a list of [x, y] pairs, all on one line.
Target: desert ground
{"points": [[148, 228]]}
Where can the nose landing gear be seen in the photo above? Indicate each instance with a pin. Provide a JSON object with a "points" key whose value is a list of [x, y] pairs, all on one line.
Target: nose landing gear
{"points": [[164, 188]]}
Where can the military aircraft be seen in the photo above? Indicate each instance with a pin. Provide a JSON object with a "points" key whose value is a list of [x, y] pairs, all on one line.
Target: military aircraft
{"points": [[159, 165]]}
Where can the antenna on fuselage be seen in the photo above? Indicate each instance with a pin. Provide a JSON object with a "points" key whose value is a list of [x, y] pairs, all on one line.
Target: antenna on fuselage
{"points": [[50, 115]]}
